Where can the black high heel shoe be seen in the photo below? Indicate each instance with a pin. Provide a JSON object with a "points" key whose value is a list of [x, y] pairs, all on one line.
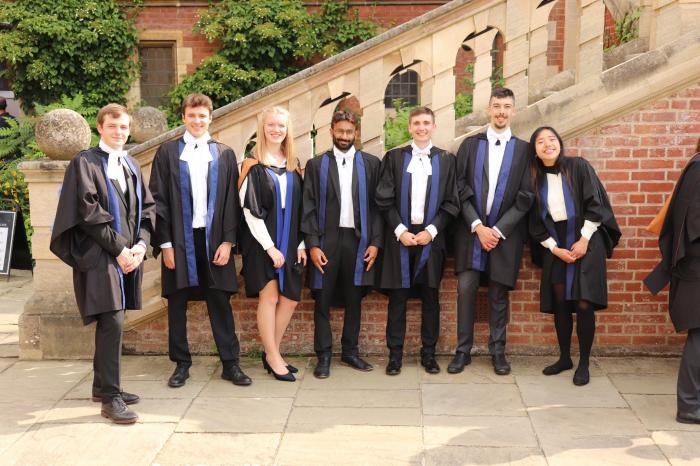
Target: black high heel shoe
{"points": [[292, 369], [288, 377], [267, 367]]}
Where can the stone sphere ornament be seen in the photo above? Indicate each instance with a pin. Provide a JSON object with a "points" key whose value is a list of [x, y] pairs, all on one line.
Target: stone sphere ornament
{"points": [[147, 123], [62, 133]]}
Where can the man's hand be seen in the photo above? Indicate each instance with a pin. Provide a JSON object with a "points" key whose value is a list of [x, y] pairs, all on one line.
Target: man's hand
{"points": [[408, 239], [276, 256], [222, 254], [487, 236], [138, 252], [564, 254], [371, 256], [423, 238], [126, 261], [579, 248], [318, 258], [169, 258], [301, 256]]}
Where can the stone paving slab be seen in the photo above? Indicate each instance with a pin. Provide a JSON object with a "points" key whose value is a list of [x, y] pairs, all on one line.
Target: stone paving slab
{"points": [[18, 417], [658, 412], [149, 411], [328, 417], [207, 448], [652, 384], [533, 365], [618, 451], [472, 400], [144, 388], [479, 431], [346, 378], [160, 368], [479, 371], [681, 448], [5, 363], [639, 365], [262, 387], [359, 398], [33, 380], [559, 390], [463, 456], [242, 415]]}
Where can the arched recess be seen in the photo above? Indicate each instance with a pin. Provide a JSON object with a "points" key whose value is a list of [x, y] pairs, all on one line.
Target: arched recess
{"points": [[478, 76], [403, 91], [320, 134], [555, 30]]}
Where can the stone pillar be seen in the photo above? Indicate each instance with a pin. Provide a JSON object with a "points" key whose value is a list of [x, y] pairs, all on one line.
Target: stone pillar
{"points": [[483, 69], [516, 57], [50, 326], [672, 19], [590, 39], [537, 70]]}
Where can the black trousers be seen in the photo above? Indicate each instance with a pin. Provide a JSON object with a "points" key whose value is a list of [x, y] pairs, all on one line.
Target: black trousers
{"points": [[688, 388], [468, 284], [218, 307], [108, 351], [339, 274], [430, 313]]}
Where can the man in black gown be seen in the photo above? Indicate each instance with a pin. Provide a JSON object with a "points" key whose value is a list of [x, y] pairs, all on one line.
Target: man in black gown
{"points": [[679, 242], [193, 181], [491, 227], [103, 223], [418, 195], [344, 249]]}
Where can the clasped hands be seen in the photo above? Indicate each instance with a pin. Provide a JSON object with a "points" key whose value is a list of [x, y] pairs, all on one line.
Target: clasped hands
{"points": [[577, 251], [421, 239], [131, 258]]}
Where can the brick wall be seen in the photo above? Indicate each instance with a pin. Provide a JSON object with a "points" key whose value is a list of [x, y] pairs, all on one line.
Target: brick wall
{"points": [[638, 156], [555, 47]]}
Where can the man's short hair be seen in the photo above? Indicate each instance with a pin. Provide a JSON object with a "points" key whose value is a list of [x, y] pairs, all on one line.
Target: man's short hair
{"points": [[421, 111], [343, 115], [197, 100], [501, 93], [113, 110], [3, 103]]}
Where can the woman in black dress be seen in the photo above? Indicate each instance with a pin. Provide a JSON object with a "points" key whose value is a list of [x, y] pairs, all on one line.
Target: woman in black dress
{"points": [[273, 252], [576, 230]]}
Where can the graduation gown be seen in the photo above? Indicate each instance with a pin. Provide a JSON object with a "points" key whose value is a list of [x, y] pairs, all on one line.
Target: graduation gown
{"points": [[388, 199], [94, 222], [261, 200], [170, 185], [588, 280], [503, 262], [313, 235], [679, 243]]}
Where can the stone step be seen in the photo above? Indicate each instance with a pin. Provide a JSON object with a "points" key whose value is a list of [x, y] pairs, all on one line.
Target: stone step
{"points": [[153, 308]]}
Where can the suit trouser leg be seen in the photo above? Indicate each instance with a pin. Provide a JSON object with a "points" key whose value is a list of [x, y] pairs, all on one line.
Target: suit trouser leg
{"points": [[323, 338], [430, 319], [468, 284], [498, 317], [688, 388], [108, 351], [222, 325], [396, 320], [178, 347], [353, 294]]}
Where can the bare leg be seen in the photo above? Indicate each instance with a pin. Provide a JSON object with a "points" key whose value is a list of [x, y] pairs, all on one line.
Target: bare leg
{"points": [[267, 303], [285, 309]]}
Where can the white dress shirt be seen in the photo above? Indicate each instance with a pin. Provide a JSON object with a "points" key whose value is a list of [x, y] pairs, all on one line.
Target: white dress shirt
{"points": [[257, 225], [420, 169], [345, 161], [497, 148], [115, 164]]}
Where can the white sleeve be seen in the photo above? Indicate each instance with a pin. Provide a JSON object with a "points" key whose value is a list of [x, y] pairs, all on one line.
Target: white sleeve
{"points": [[399, 230], [589, 228], [256, 225], [550, 243]]}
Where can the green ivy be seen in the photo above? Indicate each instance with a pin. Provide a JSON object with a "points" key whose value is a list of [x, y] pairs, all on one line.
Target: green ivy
{"points": [[396, 127], [69, 46], [464, 101], [264, 41], [626, 29]]}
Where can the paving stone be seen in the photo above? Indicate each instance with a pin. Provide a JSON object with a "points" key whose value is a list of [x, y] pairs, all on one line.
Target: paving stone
{"points": [[149, 410], [346, 378], [472, 400], [533, 365], [236, 415], [160, 368], [351, 445], [639, 365], [329, 417], [88, 444], [658, 412], [262, 387], [559, 390], [143, 388], [653, 384], [681, 448], [479, 371], [41, 380], [599, 451], [458, 456], [359, 398], [17, 417], [6, 362], [206, 448], [481, 431], [10, 350]]}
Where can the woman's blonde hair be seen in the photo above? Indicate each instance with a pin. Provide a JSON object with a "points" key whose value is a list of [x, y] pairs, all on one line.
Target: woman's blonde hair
{"points": [[260, 150]]}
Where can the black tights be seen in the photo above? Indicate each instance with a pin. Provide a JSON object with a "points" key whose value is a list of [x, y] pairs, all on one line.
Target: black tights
{"points": [[564, 324]]}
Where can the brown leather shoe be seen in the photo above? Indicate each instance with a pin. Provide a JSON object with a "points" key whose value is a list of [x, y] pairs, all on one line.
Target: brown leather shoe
{"points": [[118, 412]]}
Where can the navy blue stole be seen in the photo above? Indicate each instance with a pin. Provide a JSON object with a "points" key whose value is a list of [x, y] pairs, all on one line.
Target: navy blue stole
{"points": [[406, 216], [186, 199], [113, 208], [283, 218], [362, 191], [478, 254], [570, 225]]}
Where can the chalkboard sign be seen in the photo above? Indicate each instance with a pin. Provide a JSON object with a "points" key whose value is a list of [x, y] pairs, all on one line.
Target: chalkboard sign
{"points": [[8, 220]]}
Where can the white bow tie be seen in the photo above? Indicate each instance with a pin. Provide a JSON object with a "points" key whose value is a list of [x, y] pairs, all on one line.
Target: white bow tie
{"points": [[196, 150]]}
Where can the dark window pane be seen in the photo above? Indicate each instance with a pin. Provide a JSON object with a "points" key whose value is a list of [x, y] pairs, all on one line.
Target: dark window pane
{"points": [[402, 86], [157, 73]]}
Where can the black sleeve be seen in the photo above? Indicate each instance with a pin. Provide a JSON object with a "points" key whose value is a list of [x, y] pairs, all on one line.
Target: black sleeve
{"points": [[464, 189], [376, 220], [385, 195], [106, 237], [231, 207], [309, 216], [523, 202], [449, 208], [536, 228], [253, 200], [159, 185]]}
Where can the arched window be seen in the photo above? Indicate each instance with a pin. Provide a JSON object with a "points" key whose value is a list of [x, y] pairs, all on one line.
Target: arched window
{"points": [[404, 86]]}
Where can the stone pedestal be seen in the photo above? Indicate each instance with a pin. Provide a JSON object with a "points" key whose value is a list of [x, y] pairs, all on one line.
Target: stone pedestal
{"points": [[50, 326]]}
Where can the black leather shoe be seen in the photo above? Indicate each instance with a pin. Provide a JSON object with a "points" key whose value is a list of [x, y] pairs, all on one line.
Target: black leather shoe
{"points": [[458, 362], [323, 367], [430, 364], [692, 417], [394, 367], [129, 398], [118, 412], [581, 376], [356, 362], [292, 369], [180, 375], [235, 375], [500, 364]]}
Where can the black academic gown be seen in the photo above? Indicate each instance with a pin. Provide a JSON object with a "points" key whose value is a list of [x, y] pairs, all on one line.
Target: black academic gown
{"points": [[388, 199], [679, 243], [261, 200], [85, 235], [311, 196], [591, 203], [503, 262], [167, 190]]}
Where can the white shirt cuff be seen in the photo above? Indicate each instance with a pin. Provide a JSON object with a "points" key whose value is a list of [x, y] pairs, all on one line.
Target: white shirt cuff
{"points": [[499, 233], [167, 245], [475, 224], [302, 245], [549, 243], [432, 230], [399, 230], [124, 252], [589, 228]]}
